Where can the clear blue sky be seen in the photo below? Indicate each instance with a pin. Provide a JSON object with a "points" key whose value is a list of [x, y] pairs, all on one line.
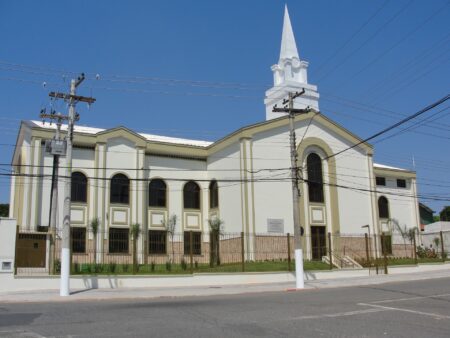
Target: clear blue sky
{"points": [[392, 55]]}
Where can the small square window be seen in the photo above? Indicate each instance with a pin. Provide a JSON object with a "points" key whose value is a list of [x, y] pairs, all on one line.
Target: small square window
{"points": [[401, 183], [6, 266], [381, 181]]}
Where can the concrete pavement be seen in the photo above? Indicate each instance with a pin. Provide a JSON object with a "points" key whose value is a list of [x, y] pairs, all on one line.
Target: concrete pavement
{"points": [[407, 309], [341, 279]]}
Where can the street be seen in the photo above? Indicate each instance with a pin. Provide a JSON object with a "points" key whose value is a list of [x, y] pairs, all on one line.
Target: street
{"points": [[400, 309]]}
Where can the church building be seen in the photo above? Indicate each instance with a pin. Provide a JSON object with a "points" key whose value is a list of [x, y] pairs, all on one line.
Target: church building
{"points": [[122, 177]]}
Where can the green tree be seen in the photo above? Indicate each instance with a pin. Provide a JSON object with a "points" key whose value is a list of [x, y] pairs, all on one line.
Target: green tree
{"points": [[4, 210], [95, 227], [171, 225], [215, 229], [445, 214], [135, 231]]}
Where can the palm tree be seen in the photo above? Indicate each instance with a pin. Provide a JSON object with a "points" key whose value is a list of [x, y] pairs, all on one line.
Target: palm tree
{"points": [[135, 231], [215, 230], [95, 227], [170, 226]]}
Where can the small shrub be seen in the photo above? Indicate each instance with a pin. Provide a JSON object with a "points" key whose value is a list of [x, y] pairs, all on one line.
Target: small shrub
{"points": [[98, 268], [112, 267], [57, 265], [152, 267], [168, 266], [125, 267], [85, 268], [196, 264], [183, 264], [76, 267]]}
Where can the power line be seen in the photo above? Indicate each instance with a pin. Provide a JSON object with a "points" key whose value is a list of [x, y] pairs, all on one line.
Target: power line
{"points": [[395, 125]]}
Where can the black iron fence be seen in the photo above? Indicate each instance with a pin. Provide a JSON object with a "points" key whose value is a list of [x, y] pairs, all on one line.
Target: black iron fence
{"points": [[119, 251]]}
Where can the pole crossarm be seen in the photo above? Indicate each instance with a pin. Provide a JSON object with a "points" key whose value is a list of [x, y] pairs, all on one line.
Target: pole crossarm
{"points": [[75, 98]]}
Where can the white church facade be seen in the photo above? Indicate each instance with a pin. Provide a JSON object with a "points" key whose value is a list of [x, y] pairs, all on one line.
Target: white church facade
{"points": [[124, 177]]}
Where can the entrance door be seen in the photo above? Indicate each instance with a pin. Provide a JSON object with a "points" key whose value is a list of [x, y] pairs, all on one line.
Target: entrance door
{"points": [[318, 242], [31, 250]]}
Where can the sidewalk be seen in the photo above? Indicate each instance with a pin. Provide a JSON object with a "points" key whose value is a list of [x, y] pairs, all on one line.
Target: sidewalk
{"points": [[329, 280]]}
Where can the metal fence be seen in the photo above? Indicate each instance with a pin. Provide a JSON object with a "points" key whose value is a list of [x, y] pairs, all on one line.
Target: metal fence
{"points": [[117, 251]]}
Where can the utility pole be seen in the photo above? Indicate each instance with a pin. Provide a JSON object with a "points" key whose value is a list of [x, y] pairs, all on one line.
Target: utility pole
{"points": [[72, 99], [300, 283], [57, 148]]}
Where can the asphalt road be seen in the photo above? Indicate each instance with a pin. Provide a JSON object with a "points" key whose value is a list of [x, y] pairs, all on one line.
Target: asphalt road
{"points": [[403, 309]]}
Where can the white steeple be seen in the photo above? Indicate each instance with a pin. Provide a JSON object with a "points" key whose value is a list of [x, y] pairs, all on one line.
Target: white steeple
{"points": [[290, 75], [288, 45]]}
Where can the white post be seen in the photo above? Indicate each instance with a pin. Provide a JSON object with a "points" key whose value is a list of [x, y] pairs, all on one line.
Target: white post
{"points": [[299, 277], [65, 251]]}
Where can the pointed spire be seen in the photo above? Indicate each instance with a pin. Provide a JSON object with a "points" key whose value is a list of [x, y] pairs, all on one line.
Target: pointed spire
{"points": [[288, 45]]}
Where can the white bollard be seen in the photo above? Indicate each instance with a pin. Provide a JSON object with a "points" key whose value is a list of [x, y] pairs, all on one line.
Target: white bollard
{"points": [[299, 278], [65, 272]]}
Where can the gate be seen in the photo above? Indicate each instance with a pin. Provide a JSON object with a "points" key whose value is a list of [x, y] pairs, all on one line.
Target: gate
{"points": [[31, 250]]}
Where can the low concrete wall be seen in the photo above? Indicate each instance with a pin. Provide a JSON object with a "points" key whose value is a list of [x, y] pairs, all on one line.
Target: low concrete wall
{"points": [[7, 245], [9, 283]]}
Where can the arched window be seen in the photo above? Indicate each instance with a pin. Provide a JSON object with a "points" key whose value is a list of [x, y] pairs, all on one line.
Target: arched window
{"points": [[315, 180], [120, 189], [78, 190], [383, 207], [157, 193], [191, 195], [213, 195]]}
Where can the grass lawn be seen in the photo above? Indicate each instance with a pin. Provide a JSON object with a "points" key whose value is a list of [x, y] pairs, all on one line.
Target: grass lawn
{"points": [[163, 269], [410, 261]]}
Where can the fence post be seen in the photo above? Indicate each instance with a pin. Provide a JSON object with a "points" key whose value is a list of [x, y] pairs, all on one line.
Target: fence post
{"points": [[191, 251], [289, 251], [366, 238], [442, 247], [383, 250], [242, 252], [330, 256], [134, 255], [415, 248], [15, 250]]}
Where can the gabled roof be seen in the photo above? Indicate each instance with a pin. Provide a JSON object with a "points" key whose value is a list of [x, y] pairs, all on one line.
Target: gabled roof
{"points": [[100, 131]]}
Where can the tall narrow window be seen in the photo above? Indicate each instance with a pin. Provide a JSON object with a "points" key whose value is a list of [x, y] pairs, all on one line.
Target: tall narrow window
{"points": [[383, 207], [79, 188], [120, 189], [157, 193], [213, 195], [315, 180], [191, 195]]}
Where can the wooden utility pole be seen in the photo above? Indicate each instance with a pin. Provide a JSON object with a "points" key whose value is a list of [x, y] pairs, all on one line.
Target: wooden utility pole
{"points": [[300, 284], [72, 99]]}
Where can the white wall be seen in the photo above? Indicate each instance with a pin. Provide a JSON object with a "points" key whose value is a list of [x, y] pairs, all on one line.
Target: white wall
{"points": [[7, 245], [222, 165], [401, 208]]}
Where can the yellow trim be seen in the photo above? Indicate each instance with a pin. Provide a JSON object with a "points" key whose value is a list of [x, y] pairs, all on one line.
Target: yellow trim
{"points": [[123, 209], [320, 208], [395, 173], [334, 201], [197, 214], [82, 208], [200, 151], [186, 211]]}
